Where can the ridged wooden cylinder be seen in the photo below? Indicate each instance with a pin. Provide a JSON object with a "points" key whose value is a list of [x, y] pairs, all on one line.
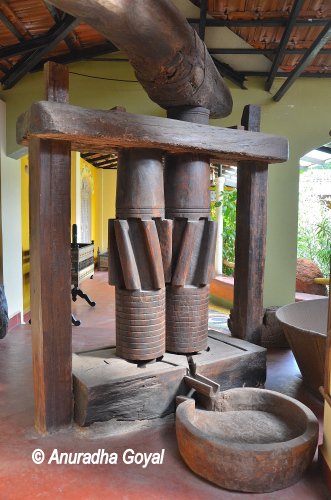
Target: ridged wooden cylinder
{"points": [[187, 319], [187, 202], [140, 324]]}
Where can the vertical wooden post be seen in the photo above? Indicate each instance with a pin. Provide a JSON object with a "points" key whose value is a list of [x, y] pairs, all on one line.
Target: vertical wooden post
{"points": [[50, 262], [247, 314]]}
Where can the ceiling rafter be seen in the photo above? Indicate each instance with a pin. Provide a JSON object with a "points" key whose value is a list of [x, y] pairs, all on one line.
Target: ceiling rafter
{"points": [[259, 51], [59, 32], [297, 5], [227, 72], [81, 55], [305, 61], [71, 39], [203, 18], [256, 23]]}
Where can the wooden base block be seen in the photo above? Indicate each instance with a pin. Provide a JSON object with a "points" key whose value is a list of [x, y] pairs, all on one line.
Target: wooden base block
{"points": [[232, 362], [106, 386]]}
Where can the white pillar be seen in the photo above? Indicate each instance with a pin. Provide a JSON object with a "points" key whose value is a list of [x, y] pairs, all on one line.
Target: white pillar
{"points": [[219, 217], [11, 221]]}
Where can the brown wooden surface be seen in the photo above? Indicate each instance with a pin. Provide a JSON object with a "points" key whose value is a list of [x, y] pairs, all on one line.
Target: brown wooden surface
{"points": [[187, 202], [255, 441], [50, 265], [49, 193], [56, 82], [175, 68], [136, 257], [91, 130], [251, 227], [106, 386]]}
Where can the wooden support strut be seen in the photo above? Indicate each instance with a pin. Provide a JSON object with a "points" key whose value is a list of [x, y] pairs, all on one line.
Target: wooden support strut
{"points": [[247, 314], [49, 193]]}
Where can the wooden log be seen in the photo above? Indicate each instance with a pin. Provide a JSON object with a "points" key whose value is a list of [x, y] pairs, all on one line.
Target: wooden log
{"points": [[247, 315], [50, 261], [171, 61], [90, 130], [50, 282]]}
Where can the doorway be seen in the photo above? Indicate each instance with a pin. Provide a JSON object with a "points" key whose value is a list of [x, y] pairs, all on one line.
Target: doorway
{"points": [[85, 211]]}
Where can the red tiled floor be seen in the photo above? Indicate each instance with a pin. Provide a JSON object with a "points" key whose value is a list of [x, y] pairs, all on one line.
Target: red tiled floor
{"points": [[20, 478]]}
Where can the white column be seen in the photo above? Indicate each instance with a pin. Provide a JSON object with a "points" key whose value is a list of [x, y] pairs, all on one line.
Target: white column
{"points": [[11, 221], [219, 217]]}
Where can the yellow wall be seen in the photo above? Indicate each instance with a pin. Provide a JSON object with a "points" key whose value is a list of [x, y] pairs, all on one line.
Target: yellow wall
{"points": [[103, 188], [87, 170], [301, 116]]}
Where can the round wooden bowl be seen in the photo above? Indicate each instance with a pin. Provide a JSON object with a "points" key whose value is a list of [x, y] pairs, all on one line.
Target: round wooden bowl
{"points": [[255, 441], [305, 326]]}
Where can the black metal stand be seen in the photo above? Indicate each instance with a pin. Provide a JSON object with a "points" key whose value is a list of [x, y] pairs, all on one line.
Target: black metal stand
{"points": [[77, 292]]}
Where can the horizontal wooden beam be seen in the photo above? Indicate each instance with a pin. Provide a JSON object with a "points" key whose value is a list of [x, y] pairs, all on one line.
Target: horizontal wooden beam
{"points": [[97, 130], [256, 23], [264, 52], [286, 74]]}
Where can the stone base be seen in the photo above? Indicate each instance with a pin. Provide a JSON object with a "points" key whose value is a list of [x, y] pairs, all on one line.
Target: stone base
{"points": [[106, 386]]}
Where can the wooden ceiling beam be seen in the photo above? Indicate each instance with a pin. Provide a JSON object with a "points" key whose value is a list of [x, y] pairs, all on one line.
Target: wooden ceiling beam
{"points": [[105, 164], [81, 55], [227, 72], [286, 74], [306, 60], [24, 47], [256, 23], [54, 12], [11, 27], [203, 18], [27, 63], [283, 43], [71, 39], [259, 51]]}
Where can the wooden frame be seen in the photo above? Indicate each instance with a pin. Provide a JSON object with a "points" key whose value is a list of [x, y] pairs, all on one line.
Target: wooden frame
{"points": [[52, 129]]}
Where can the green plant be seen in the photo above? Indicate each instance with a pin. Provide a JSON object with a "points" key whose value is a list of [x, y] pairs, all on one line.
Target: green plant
{"points": [[228, 201], [314, 231]]}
